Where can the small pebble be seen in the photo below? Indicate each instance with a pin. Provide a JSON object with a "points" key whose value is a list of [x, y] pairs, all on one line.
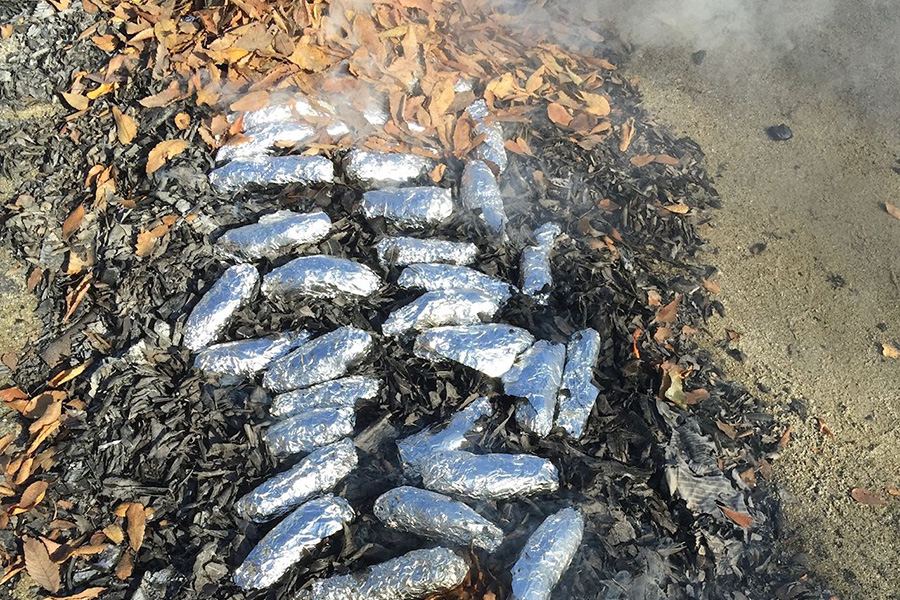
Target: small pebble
{"points": [[780, 133]]}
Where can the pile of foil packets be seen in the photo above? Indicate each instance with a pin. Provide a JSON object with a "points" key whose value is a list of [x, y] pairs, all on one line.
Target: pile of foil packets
{"points": [[315, 386]]}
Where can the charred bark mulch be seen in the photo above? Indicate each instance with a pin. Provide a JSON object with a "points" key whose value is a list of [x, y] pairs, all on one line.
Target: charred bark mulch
{"points": [[155, 432]]}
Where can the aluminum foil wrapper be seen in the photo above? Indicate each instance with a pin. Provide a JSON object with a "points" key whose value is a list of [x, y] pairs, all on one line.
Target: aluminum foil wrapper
{"points": [[274, 234], [215, 309], [577, 394], [419, 446], [295, 109], [325, 358], [246, 358], [491, 149], [536, 376], [488, 476], [292, 540], [436, 516], [402, 251], [433, 277], [310, 430], [546, 555], [491, 348], [413, 206], [480, 192], [314, 475], [339, 393], [321, 276], [536, 276], [444, 307], [382, 168], [260, 141], [413, 576], [272, 170]]}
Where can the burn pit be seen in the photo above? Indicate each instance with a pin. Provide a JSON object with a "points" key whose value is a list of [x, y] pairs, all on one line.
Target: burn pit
{"points": [[191, 447]]}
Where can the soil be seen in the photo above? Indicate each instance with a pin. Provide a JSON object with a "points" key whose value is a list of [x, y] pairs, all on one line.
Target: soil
{"points": [[809, 278]]}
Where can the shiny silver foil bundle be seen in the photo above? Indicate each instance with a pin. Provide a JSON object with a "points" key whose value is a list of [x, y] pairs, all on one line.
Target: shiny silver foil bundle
{"points": [[417, 447], [382, 168], [577, 394], [433, 277], [403, 251], [444, 307], [491, 348], [413, 206], [321, 276], [488, 476], [272, 235], [491, 149], [316, 474], [292, 540], [214, 310], [536, 276], [292, 112], [435, 516], [272, 170], [327, 357], [310, 430], [246, 358], [339, 393], [546, 555], [412, 576], [480, 192], [536, 377], [262, 140]]}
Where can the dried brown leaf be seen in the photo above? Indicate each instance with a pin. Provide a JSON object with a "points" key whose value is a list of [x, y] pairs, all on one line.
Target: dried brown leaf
{"points": [[88, 594], [596, 104], [114, 533], [76, 101], [711, 286], [39, 566], [786, 436], [252, 101], [68, 374], [31, 497], [182, 121], [137, 523], [162, 152], [642, 160], [125, 566], [146, 239], [867, 497], [667, 313], [164, 98], [890, 350], [742, 519], [73, 222], [892, 210], [126, 127], [558, 114], [626, 135], [678, 209]]}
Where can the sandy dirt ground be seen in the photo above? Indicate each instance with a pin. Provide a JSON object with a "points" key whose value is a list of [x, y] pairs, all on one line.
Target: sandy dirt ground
{"points": [[814, 303]]}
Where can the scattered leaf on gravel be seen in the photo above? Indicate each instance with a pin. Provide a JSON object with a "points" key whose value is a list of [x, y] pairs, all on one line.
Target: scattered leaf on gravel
{"points": [[146, 239], [39, 566], [711, 286], [786, 436], [626, 134], [73, 222], [163, 151], [558, 114], [76, 101], [892, 210], [126, 127], [867, 497], [678, 209], [164, 98], [137, 522], [890, 350], [31, 497]]}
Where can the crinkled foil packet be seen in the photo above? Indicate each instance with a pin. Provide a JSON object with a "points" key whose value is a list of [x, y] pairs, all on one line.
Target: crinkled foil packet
{"points": [[433, 277], [434, 309], [537, 279], [536, 377], [316, 474], [412, 576], [417, 447], [214, 310], [262, 140], [383, 168], [338, 393], [491, 348], [402, 251], [272, 170], [488, 476], [480, 192], [292, 540], [273, 235], [413, 206], [246, 358], [546, 555], [435, 516], [321, 276], [577, 394], [310, 430], [491, 149], [326, 357]]}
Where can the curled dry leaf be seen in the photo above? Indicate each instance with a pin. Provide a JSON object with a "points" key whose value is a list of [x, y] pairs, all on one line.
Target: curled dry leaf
{"points": [[163, 151], [786, 436], [72, 222], [137, 523], [87, 594], [114, 533], [146, 239], [558, 114], [742, 519], [39, 565], [126, 127], [678, 209], [164, 98], [892, 210], [252, 101], [182, 121], [890, 350], [626, 134], [597, 105], [31, 497], [125, 566], [76, 101], [867, 497]]}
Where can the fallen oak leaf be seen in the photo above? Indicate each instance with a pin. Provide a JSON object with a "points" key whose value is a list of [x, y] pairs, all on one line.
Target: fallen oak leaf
{"points": [[164, 151], [31, 497], [742, 519], [558, 114], [867, 497], [126, 127], [39, 566], [137, 523]]}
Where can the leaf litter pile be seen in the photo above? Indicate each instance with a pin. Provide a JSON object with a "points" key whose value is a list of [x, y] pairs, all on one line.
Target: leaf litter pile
{"points": [[123, 480]]}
